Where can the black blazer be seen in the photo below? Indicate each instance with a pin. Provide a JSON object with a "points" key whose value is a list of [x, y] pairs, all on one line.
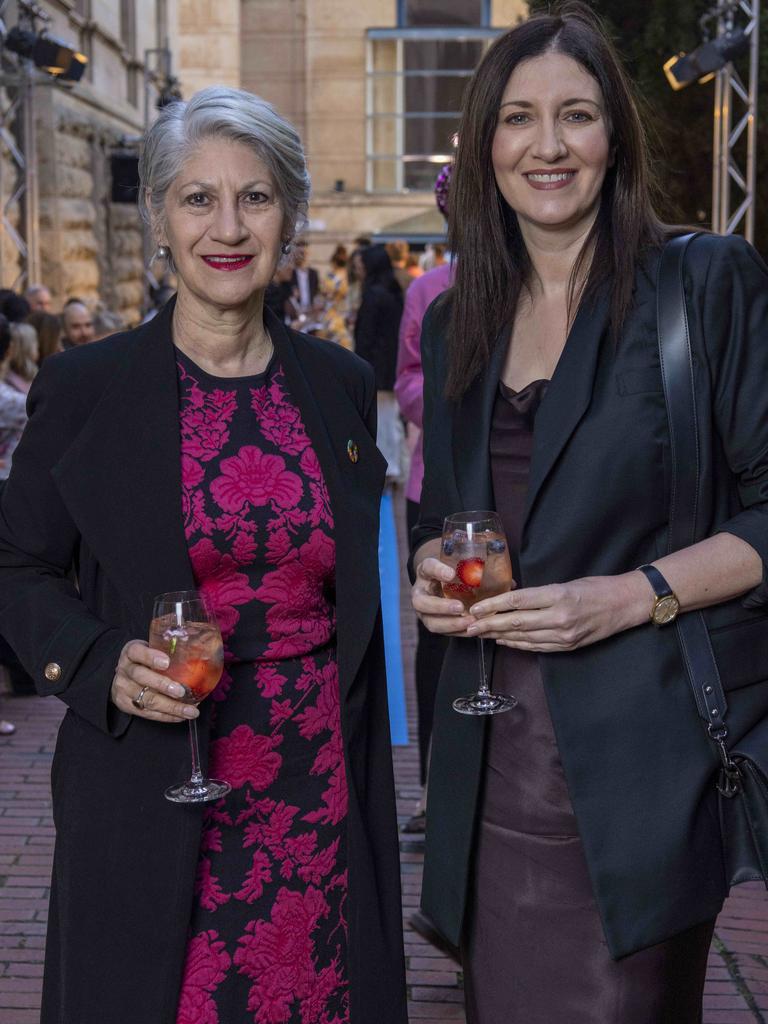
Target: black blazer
{"points": [[638, 762], [96, 484]]}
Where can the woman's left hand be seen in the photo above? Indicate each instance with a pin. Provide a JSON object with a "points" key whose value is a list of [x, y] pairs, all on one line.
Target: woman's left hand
{"points": [[563, 616]]}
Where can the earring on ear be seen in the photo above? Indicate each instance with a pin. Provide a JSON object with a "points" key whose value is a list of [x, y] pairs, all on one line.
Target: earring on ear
{"points": [[163, 252], [285, 248]]}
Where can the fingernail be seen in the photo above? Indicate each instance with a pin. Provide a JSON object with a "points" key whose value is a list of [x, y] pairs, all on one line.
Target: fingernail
{"points": [[176, 690], [191, 712], [161, 661]]}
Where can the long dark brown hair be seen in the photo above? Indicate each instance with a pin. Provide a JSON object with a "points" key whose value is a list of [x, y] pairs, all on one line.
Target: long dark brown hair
{"points": [[493, 265]]}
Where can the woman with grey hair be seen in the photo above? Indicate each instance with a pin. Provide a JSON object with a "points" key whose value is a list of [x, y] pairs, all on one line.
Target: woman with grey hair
{"points": [[212, 448]]}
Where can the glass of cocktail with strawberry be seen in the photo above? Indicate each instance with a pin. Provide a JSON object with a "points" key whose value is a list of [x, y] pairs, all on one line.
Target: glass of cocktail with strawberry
{"points": [[475, 547], [183, 628]]}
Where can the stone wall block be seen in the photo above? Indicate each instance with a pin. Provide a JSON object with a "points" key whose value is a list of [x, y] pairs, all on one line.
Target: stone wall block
{"points": [[129, 298], [74, 151], [80, 277], [73, 182], [71, 213], [78, 244]]}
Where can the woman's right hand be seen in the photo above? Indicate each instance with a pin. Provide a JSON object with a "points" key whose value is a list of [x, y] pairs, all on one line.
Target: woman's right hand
{"points": [[138, 669], [439, 614]]}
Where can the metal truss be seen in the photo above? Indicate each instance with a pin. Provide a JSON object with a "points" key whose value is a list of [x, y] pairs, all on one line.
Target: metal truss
{"points": [[734, 157]]}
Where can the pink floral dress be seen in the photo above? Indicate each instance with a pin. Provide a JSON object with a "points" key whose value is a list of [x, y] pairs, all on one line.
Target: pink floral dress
{"points": [[268, 933]]}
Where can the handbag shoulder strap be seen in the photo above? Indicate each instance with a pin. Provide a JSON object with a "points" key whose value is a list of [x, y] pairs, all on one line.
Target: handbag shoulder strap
{"points": [[677, 374]]}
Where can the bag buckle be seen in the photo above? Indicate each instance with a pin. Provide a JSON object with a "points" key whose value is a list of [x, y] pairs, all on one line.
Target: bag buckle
{"points": [[729, 776]]}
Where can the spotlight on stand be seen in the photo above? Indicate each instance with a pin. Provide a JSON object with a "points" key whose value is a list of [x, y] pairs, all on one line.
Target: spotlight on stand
{"points": [[706, 60], [47, 53]]}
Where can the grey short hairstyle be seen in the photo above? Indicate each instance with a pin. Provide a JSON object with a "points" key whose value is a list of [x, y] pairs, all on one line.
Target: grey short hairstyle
{"points": [[221, 112]]}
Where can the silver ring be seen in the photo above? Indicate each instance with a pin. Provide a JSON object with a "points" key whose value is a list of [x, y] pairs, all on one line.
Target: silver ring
{"points": [[138, 702]]}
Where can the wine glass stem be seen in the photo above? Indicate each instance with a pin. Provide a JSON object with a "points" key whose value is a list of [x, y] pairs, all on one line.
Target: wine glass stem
{"points": [[197, 775], [483, 690]]}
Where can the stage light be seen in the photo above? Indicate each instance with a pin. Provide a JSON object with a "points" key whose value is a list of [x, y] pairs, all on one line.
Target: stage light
{"points": [[706, 60], [47, 53]]}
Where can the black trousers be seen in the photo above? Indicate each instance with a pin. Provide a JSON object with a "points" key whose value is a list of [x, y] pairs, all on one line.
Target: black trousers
{"points": [[430, 651]]}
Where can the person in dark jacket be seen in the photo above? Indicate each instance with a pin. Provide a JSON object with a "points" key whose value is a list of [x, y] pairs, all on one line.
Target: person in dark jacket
{"points": [[573, 844], [211, 448], [376, 340]]}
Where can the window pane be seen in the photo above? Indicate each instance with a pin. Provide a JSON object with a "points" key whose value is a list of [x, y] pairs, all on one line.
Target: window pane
{"points": [[385, 176], [384, 55], [421, 174], [442, 54], [425, 136], [385, 94], [429, 93], [385, 136], [443, 12]]}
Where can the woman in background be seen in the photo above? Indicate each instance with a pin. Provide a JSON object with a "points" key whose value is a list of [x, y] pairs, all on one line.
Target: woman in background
{"points": [[376, 339]]}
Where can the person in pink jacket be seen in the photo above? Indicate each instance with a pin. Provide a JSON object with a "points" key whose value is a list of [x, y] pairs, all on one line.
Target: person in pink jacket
{"points": [[409, 384]]}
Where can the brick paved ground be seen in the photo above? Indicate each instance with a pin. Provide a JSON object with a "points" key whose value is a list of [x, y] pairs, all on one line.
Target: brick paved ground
{"points": [[737, 981]]}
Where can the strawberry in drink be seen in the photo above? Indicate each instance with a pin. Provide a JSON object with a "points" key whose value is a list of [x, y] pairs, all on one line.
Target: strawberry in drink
{"points": [[482, 564]]}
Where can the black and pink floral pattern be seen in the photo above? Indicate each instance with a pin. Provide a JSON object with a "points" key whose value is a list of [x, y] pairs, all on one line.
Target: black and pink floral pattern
{"points": [[268, 935]]}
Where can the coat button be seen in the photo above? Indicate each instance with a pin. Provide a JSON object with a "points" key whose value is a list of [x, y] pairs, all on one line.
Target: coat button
{"points": [[353, 451], [52, 671]]}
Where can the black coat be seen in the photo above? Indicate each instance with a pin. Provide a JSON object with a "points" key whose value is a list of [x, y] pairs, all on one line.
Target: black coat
{"points": [[376, 332], [637, 760], [96, 483]]}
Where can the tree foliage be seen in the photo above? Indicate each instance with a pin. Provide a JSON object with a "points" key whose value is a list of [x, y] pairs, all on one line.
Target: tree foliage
{"points": [[680, 124]]}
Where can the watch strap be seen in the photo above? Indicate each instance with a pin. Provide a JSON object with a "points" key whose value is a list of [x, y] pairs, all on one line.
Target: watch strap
{"points": [[659, 585]]}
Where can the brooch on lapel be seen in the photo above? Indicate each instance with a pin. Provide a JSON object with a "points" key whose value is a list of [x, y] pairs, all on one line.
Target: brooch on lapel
{"points": [[353, 451]]}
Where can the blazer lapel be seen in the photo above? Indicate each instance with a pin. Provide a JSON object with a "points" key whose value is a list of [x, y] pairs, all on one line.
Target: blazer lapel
{"points": [[332, 420], [569, 393], [121, 480], [472, 431]]}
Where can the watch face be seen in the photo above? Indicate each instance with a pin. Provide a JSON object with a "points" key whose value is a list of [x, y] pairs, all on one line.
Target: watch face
{"points": [[665, 610]]}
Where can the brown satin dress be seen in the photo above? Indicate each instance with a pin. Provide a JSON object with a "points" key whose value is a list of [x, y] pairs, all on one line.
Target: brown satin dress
{"points": [[534, 951]]}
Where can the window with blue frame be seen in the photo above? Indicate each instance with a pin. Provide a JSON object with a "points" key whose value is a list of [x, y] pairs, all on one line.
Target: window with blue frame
{"points": [[417, 75]]}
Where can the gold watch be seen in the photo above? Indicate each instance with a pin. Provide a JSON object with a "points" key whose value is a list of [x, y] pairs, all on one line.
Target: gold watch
{"points": [[666, 606]]}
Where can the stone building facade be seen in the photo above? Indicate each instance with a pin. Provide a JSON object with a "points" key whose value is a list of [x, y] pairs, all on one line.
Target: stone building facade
{"points": [[375, 129], [90, 246]]}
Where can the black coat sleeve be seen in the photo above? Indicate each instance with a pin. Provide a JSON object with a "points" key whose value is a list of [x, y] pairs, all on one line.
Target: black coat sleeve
{"points": [[41, 614], [439, 494], [734, 325]]}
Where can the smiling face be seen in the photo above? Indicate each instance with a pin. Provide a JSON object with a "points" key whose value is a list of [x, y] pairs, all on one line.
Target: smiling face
{"points": [[551, 146], [223, 224]]}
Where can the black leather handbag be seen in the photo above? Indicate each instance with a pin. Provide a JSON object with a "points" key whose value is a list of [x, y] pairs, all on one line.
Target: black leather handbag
{"points": [[742, 779]]}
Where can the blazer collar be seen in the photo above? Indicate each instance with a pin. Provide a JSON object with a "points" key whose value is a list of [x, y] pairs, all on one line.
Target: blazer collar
{"points": [[563, 406], [569, 393]]}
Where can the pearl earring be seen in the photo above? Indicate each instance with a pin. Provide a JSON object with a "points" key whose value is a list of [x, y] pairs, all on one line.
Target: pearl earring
{"points": [[162, 252], [285, 248]]}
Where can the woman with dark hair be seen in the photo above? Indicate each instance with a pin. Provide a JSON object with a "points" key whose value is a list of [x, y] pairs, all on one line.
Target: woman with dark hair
{"points": [[48, 327], [376, 334], [573, 844]]}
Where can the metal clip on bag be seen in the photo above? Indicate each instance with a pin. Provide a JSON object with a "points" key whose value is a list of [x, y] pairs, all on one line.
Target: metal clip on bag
{"points": [[742, 780]]}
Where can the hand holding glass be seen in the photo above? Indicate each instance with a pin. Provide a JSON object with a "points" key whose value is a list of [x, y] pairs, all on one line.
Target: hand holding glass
{"points": [[184, 629], [475, 547]]}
